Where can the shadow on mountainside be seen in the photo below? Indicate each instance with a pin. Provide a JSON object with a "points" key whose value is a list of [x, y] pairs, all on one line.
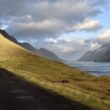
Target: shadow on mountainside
{"points": [[17, 94]]}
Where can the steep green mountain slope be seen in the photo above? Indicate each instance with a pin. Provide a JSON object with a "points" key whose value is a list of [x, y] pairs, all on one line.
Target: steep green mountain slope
{"points": [[55, 76]]}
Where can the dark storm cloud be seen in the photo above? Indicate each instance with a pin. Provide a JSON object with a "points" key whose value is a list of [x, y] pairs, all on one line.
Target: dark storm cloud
{"points": [[45, 18], [11, 7]]}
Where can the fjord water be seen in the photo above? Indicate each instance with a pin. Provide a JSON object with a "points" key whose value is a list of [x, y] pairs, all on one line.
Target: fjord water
{"points": [[95, 68]]}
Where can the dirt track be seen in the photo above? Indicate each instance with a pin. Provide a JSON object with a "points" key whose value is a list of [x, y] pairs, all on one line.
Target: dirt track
{"points": [[16, 94]]}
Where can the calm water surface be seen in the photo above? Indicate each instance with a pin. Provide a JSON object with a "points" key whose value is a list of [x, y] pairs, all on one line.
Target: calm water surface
{"points": [[96, 68]]}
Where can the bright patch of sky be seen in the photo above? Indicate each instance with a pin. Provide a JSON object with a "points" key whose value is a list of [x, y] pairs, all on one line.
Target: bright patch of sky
{"points": [[105, 16]]}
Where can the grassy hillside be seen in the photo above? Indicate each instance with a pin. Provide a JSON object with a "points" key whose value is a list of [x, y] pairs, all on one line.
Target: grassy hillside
{"points": [[55, 76]]}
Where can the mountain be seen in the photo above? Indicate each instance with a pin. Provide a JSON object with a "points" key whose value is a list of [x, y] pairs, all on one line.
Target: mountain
{"points": [[89, 56], [101, 54], [28, 47], [48, 54], [42, 52], [8, 36], [19, 66]]}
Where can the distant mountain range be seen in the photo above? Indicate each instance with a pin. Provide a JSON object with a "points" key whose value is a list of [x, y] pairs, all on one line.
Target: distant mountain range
{"points": [[42, 52], [101, 54]]}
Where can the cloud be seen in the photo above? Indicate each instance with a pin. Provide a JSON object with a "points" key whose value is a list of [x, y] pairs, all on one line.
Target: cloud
{"points": [[104, 37], [39, 29], [88, 25], [47, 18], [11, 7]]}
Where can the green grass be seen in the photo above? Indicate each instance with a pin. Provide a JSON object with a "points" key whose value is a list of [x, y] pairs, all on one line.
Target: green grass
{"points": [[87, 89]]}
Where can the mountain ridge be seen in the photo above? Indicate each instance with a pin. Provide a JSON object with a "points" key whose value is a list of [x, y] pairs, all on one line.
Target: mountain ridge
{"points": [[101, 54], [42, 52], [5, 34]]}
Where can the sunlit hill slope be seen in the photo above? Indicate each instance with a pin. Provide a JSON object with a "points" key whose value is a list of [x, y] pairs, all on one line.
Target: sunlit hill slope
{"points": [[55, 76]]}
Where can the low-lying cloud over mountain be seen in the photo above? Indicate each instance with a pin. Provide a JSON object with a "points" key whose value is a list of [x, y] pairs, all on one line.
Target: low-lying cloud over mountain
{"points": [[69, 49]]}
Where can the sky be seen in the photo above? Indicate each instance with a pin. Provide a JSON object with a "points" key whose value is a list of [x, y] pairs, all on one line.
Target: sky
{"points": [[68, 28]]}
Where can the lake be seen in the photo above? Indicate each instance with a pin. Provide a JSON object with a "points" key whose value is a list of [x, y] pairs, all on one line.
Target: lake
{"points": [[95, 68]]}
